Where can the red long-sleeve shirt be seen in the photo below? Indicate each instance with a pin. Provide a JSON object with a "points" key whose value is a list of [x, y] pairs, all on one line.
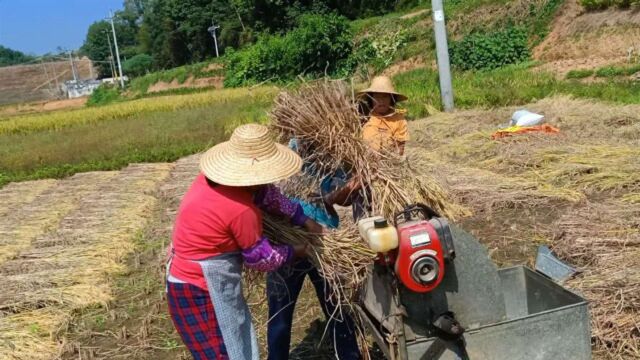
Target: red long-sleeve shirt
{"points": [[221, 219]]}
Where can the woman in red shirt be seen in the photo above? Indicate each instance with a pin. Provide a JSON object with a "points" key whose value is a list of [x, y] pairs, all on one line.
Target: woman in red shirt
{"points": [[218, 229]]}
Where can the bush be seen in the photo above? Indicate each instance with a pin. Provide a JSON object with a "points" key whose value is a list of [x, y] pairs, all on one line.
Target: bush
{"points": [[579, 74], [603, 4], [138, 65], [319, 44], [378, 48], [613, 71], [105, 94], [610, 71], [490, 50]]}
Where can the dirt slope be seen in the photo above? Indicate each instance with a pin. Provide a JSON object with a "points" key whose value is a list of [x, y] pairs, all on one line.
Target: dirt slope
{"points": [[25, 83], [588, 40]]}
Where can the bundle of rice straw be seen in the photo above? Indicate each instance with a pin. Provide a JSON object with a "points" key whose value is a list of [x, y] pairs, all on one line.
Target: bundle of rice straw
{"points": [[324, 120]]}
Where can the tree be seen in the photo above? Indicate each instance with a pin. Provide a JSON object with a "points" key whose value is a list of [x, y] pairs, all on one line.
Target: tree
{"points": [[174, 32], [319, 44], [138, 65], [13, 57], [96, 45]]}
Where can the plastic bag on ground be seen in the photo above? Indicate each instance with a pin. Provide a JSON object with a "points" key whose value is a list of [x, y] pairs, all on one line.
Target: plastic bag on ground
{"points": [[526, 118]]}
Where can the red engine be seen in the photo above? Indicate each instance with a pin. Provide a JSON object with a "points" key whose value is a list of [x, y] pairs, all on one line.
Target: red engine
{"points": [[424, 245]]}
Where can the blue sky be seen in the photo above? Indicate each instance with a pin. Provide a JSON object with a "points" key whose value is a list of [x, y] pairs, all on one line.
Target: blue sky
{"points": [[39, 26]]}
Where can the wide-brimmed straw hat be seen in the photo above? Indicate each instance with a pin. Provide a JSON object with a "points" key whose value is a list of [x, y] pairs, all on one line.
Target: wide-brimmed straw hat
{"points": [[382, 84], [250, 157]]}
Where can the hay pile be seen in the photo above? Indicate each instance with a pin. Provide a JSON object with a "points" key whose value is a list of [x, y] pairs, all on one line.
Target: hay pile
{"points": [[578, 192], [323, 118], [69, 267]]}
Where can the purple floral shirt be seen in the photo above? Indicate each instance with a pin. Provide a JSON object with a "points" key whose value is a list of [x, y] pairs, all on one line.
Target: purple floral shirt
{"points": [[265, 256]]}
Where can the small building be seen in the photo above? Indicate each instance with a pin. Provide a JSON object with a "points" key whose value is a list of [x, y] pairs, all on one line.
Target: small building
{"points": [[79, 88], [114, 80]]}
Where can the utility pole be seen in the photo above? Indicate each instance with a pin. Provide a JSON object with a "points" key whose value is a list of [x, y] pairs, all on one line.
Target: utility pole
{"points": [[73, 68], [115, 43], [442, 53], [113, 67], [212, 29]]}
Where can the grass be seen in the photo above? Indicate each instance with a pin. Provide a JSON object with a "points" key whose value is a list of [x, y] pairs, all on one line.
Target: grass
{"points": [[579, 74], [614, 71], [129, 109], [455, 7], [512, 85], [140, 85], [105, 145], [604, 72], [363, 25]]}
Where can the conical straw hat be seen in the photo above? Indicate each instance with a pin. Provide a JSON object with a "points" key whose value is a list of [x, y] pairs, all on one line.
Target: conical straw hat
{"points": [[382, 84], [250, 157]]}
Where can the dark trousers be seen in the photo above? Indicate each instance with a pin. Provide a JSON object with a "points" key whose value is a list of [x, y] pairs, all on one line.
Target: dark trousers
{"points": [[283, 288]]}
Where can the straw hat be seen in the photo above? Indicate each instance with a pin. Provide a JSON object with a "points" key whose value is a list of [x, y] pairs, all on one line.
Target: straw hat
{"points": [[382, 84], [250, 157]]}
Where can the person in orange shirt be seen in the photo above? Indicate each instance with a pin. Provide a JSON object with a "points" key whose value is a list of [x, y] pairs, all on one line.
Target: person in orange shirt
{"points": [[385, 130]]}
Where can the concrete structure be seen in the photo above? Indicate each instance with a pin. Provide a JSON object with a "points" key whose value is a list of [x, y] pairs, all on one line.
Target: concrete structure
{"points": [[75, 89]]}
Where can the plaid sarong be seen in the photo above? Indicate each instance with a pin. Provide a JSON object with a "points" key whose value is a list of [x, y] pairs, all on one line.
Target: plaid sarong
{"points": [[193, 315]]}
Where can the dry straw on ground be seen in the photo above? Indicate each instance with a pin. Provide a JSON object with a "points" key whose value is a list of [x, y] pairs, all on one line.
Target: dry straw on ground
{"points": [[603, 239], [54, 273], [578, 192]]}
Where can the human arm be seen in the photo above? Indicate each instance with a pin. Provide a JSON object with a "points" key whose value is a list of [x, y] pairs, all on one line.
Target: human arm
{"points": [[401, 136], [342, 196], [271, 200], [257, 251]]}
